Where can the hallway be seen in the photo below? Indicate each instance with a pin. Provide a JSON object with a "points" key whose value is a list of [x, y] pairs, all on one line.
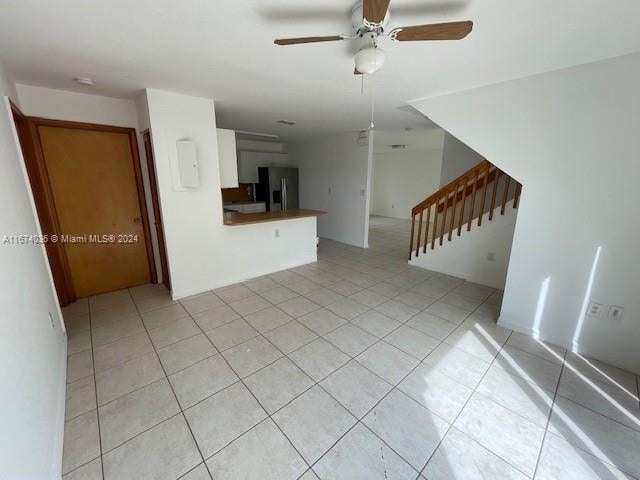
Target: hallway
{"points": [[357, 367], [389, 236]]}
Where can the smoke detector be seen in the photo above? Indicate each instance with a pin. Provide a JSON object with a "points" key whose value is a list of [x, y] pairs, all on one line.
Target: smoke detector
{"points": [[85, 81], [363, 138]]}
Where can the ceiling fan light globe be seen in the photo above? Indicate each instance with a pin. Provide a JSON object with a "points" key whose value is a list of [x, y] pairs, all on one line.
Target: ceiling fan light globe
{"points": [[368, 60]]}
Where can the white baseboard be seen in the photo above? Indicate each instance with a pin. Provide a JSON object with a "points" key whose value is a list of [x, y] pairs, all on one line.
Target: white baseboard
{"points": [[346, 242], [506, 323], [516, 327], [258, 273], [464, 276], [56, 461]]}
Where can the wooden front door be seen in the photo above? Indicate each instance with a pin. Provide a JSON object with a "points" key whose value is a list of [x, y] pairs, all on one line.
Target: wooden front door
{"points": [[95, 185]]}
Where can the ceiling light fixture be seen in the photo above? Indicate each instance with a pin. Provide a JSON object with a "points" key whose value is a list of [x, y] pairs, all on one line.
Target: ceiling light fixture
{"points": [[85, 81], [256, 134], [369, 59]]}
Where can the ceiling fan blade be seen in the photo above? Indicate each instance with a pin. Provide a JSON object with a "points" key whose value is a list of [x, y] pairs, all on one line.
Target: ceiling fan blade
{"points": [[435, 31], [295, 41], [374, 10]]}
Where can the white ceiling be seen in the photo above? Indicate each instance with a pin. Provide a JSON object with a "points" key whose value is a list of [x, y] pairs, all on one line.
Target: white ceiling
{"points": [[224, 49]]}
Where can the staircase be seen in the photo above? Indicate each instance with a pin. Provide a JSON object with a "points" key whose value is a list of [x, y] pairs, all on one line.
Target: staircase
{"points": [[460, 203]]}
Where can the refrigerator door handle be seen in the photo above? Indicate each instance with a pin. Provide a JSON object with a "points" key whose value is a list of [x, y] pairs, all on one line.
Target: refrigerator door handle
{"points": [[283, 187]]}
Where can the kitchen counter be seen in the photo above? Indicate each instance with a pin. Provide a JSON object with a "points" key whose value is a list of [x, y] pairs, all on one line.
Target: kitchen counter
{"points": [[236, 218], [246, 207]]}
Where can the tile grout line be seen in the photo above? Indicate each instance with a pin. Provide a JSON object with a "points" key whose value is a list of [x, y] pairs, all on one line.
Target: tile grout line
{"points": [[241, 380], [172, 391], [579, 447], [315, 384], [637, 429], [393, 387], [95, 386], [473, 391], [96, 396], [553, 402], [401, 323], [297, 319]]}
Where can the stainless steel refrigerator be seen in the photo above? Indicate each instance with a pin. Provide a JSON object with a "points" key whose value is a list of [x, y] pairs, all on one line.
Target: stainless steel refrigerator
{"points": [[278, 188]]}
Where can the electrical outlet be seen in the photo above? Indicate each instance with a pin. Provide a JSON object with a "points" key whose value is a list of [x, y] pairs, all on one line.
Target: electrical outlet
{"points": [[594, 309], [615, 312], [276, 232], [491, 256], [53, 325]]}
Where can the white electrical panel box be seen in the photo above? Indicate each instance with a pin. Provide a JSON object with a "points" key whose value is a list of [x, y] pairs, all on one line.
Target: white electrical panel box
{"points": [[188, 164]]}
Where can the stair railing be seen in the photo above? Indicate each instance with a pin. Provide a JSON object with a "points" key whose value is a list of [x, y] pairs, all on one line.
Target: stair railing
{"points": [[472, 186]]}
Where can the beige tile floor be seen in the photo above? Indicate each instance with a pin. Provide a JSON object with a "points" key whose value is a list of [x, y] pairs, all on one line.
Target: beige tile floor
{"points": [[357, 367]]}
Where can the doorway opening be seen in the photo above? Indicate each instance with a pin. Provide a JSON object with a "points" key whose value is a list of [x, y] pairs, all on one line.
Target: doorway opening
{"points": [[88, 190], [157, 213]]}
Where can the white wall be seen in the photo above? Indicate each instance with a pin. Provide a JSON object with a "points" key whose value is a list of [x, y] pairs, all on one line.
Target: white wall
{"points": [[467, 256], [571, 137], [335, 176], [457, 158], [7, 85], [80, 107], [402, 179], [32, 353], [203, 253]]}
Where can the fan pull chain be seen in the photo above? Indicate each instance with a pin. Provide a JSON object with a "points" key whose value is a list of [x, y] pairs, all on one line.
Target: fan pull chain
{"points": [[373, 104]]}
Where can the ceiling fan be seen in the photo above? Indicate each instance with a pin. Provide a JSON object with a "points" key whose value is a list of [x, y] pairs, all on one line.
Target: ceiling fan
{"points": [[370, 19]]}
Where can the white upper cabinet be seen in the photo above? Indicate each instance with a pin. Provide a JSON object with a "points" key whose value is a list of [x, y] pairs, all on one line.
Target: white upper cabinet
{"points": [[228, 158], [248, 164]]}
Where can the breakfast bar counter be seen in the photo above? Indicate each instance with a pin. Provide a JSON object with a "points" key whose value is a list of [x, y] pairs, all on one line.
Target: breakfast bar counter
{"points": [[235, 218]]}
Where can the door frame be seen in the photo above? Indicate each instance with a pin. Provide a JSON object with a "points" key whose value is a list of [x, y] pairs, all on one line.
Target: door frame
{"points": [[41, 187], [157, 210], [46, 216]]}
